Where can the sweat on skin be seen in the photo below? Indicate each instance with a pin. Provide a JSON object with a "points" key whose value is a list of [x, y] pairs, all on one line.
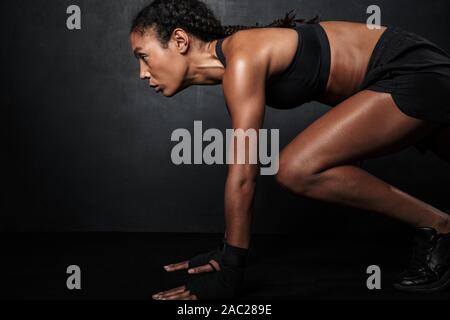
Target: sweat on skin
{"points": [[235, 139]]}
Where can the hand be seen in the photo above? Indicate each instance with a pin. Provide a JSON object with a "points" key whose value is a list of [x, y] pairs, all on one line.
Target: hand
{"points": [[179, 293], [224, 284], [218, 285], [212, 265], [204, 262]]}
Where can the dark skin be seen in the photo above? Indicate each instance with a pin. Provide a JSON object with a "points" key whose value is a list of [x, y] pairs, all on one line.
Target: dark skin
{"points": [[317, 162]]}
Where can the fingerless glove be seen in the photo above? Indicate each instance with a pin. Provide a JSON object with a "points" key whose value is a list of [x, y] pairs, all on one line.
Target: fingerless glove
{"points": [[204, 258], [223, 284]]}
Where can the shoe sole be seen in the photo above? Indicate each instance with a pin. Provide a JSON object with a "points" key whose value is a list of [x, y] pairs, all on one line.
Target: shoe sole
{"points": [[440, 285]]}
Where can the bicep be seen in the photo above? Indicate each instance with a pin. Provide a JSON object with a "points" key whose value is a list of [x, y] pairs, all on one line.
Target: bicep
{"points": [[244, 89]]}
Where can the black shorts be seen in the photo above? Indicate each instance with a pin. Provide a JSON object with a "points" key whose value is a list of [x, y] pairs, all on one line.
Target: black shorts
{"points": [[417, 74]]}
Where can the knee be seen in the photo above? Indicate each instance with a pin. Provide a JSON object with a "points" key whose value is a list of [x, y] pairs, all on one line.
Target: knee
{"points": [[295, 177]]}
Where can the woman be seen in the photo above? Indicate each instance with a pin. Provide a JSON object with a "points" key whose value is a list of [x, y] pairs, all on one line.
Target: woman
{"points": [[389, 89]]}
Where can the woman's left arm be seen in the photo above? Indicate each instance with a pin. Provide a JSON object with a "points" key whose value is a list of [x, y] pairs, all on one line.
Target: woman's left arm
{"points": [[244, 90]]}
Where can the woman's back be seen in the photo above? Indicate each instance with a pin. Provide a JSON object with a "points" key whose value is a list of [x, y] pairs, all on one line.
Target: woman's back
{"points": [[350, 48]]}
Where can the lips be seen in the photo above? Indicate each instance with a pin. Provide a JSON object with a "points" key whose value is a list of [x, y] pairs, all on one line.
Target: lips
{"points": [[156, 87]]}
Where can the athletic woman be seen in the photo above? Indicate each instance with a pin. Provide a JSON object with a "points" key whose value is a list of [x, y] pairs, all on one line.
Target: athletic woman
{"points": [[388, 89]]}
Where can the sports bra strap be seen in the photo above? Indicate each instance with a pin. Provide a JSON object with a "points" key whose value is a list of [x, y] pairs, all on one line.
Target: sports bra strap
{"points": [[219, 52]]}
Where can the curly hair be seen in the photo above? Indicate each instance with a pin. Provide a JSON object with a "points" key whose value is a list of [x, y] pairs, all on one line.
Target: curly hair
{"points": [[195, 17]]}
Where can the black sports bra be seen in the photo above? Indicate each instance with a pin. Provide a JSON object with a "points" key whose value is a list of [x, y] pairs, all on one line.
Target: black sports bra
{"points": [[307, 75]]}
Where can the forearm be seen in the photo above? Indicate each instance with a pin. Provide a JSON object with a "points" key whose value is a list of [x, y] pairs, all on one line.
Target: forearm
{"points": [[239, 195]]}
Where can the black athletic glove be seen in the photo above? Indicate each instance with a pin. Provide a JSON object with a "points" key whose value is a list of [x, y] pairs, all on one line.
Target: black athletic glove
{"points": [[223, 284], [204, 258]]}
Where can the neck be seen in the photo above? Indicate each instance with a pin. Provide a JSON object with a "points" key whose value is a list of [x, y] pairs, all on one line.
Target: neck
{"points": [[205, 67]]}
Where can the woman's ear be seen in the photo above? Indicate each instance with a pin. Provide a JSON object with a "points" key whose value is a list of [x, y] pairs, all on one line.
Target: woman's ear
{"points": [[181, 40]]}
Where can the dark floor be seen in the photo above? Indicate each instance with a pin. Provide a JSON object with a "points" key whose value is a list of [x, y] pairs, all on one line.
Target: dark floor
{"points": [[129, 265]]}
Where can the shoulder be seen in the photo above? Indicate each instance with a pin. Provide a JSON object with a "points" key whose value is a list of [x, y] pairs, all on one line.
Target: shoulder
{"points": [[261, 51], [247, 62], [245, 48]]}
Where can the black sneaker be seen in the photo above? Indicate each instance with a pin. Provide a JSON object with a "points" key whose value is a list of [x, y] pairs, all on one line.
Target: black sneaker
{"points": [[429, 270]]}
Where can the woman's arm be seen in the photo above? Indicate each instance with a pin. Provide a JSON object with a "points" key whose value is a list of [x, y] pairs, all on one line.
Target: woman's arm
{"points": [[244, 90]]}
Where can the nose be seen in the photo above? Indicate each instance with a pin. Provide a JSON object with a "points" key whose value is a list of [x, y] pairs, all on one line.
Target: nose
{"points": [[144, 75], [143, 72]]}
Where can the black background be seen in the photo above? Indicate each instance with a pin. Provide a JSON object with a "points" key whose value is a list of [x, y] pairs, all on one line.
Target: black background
{"points": [[88, 144]]}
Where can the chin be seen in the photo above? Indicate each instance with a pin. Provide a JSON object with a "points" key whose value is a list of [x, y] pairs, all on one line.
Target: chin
{"points": [[169, 94]]}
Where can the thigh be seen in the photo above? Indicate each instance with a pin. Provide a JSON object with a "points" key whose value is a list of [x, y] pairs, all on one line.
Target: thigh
{"points": [[366, 125]]}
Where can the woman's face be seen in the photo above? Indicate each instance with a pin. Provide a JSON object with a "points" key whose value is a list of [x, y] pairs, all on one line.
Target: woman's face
{"points": [[164, 68]]}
